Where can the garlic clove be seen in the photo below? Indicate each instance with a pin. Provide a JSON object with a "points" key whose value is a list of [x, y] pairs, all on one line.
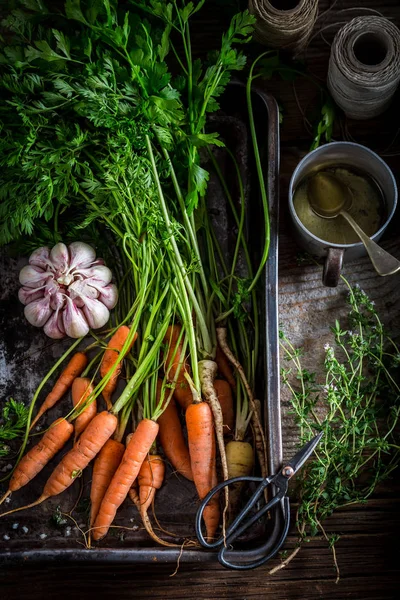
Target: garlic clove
{"points": [[60, 258], [81, 255], [57, 301], [27, 295], [52, 329], [96, 284], [60, 322], [96, 313], [33, 277], [109, 295], [51, 287], [40, 258], [79, 302], [80, 288], [38, 312], [100, 274], [74, 321]]}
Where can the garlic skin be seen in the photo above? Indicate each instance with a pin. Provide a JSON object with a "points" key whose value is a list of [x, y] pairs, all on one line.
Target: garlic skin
{"points": [[109, 295], [67, 290], [38, 312]]}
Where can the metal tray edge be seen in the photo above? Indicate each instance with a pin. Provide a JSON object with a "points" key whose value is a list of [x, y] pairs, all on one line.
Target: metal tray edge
{"points": [[271, 399]]}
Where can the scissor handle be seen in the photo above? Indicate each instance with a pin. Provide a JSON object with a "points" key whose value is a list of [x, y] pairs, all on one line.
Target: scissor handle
{"points": [[257, 563], [233, 531]]}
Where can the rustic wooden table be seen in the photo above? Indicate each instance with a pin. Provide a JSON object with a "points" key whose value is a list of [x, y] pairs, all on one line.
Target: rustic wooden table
{"points": [[367, 548]]}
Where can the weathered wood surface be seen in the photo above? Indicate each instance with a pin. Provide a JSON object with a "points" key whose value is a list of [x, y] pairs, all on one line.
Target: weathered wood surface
{"points": [[367, 551]]}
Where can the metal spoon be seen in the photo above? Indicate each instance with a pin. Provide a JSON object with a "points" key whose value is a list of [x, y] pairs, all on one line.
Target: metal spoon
{"points": [[330, 197]]}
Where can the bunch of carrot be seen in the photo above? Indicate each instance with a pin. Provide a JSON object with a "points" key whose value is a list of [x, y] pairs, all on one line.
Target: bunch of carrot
{"points": [[117, 468], [172, 340]]}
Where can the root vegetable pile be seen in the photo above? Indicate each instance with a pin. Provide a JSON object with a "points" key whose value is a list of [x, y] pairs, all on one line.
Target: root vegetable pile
{"points": [[112, 143]]}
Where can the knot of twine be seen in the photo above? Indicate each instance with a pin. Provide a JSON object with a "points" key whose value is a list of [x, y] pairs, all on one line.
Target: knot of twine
{"points": [[287, 28], [364, 66]]}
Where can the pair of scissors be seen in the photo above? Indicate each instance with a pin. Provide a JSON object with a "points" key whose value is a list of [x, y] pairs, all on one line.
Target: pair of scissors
{"points": [[279, 484]]}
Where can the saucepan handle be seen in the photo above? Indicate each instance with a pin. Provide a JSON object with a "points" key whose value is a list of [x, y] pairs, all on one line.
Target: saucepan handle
{"points": [[332, 267]]}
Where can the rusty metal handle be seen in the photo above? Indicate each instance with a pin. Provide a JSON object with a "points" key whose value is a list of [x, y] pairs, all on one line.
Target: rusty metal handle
{"points": [[332, 267]]}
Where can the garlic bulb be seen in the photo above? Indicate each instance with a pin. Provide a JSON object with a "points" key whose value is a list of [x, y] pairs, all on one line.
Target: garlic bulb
{"points": [[66, 290]]}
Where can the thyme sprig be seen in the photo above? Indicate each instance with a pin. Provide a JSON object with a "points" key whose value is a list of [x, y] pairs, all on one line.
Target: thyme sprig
{"points": [[356, 406]]}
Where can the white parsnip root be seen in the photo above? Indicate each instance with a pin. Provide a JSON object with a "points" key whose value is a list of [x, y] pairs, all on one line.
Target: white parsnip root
{"points": [[134, 496], [259, 437], [207, 372]]}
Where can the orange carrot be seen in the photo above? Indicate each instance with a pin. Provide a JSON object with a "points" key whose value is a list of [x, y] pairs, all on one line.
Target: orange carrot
{"points": [[99, 430], [224, 367], [134, 455], [81, 390], [105, 465], [150, 479], [182, 392], [110, 357], [171, 438], [225, 398], [37, 458], [73, 369], [200, 426], [72, 464]]}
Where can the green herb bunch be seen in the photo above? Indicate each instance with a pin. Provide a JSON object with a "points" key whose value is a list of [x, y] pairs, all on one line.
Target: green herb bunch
{"points": [[98, 137], [357, 407]]}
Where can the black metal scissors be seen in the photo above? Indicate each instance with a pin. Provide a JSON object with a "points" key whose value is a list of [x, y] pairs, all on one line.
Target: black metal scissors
{"points": [[279, 483]]}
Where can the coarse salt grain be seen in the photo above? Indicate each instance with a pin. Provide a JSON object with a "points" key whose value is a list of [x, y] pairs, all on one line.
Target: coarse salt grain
{"points": [[25, 529], [15, 525], [43, 536], [6, 537]]}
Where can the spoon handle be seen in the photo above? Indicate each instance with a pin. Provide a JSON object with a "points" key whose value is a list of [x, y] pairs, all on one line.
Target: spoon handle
{"points": [[384, 263]]}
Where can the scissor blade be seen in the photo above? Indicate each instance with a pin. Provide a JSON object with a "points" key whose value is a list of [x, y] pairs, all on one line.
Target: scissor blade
{"points": [[302, 455]]}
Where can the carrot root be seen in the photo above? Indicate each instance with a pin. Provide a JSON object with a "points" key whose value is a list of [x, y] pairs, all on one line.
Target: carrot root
{"points": [[175, 362], [134, 455], [224, 367], [73, 369], [201, 436], [260, 442], [82, 388], [105, 465], [38, 501], [91, 441], [5, 496], [133, 495], [171, 438], [110, 357], [225, 399], [207, 372]]}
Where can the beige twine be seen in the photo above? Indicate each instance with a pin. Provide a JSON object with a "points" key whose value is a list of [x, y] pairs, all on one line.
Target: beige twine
{"points": [[363, 90], [284, 28]]}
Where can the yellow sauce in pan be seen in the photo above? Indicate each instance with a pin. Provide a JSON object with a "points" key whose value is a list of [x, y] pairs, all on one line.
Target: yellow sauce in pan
{"points": [[368, 208]]}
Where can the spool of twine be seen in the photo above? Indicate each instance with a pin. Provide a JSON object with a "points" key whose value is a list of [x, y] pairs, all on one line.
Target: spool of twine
{"points": [[285, 24], [364, 66]]}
